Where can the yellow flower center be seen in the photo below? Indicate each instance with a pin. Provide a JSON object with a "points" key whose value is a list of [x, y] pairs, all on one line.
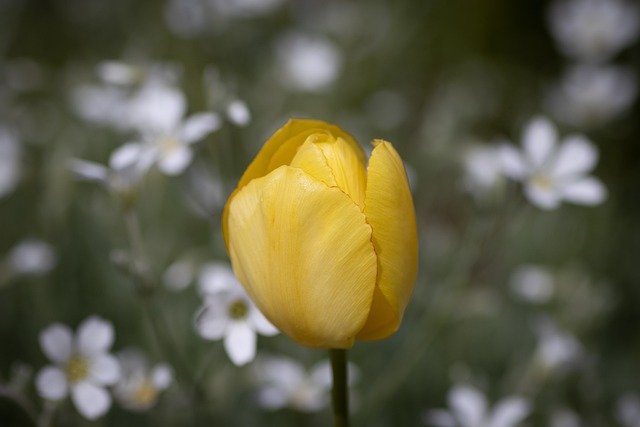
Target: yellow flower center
{"points": [[145, 394], [77, 368], [542, 181], [238, 309], [169, 145]]}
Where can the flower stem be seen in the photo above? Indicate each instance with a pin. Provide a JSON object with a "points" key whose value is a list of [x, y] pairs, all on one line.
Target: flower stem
{"points": [[340, 393]]}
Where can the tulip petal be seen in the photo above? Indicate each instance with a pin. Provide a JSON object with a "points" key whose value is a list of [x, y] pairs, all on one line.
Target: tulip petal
{"points": [[389, 210], [281, 148], [333, 162], [304, 253]]}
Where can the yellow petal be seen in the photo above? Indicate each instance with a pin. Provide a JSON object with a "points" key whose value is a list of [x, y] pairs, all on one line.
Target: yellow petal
{"points": [[333, 161], [282, 147], [303, 252], [389, 210], [311, 160]]}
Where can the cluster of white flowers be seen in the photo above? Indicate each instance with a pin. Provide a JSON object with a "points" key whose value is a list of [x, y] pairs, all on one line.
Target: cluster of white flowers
{"points": [[468, 407], [550, 172], [83, 367], [592, 32], [283, 382], [229, 314]]}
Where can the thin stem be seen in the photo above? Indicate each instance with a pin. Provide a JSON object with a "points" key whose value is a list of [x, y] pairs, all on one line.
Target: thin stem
{"points": [[340, 392]]}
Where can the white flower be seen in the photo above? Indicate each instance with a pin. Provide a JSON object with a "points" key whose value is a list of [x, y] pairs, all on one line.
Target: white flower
{"points": [[228, 313], [483, 169], [594, 30], [140, 384], [238, 113], [82, 366], [591, 95], [556, 350], [101, 104], [157, 112], [32, 257], [310, 64], [127, 166], [551, 174], [286, 383], [628, 410], [10, 153], [532, 283], [468, 407]]}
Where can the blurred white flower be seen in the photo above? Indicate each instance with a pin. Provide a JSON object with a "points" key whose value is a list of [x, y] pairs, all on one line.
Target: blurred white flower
{"points": [[594, 30], [468, 407], [32, 257], [157, 112], [140, 384], [127, 166], [286, 383], [82, 366], [309, 63], [483, 169], [228, 313], [119, 73], [10, 161], [628, 410], [188, 18], [552, 173], [179, 274], [101, 104], [238, 113], [565, 418], [532, 283], [556, 350], [591, 95]]}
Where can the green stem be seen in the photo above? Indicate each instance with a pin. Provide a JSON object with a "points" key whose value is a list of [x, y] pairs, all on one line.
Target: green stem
{"points": [[340, 392]]}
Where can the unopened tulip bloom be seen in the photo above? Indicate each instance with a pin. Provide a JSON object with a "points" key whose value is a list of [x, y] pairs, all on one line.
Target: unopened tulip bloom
{"points": [[324, 245]]}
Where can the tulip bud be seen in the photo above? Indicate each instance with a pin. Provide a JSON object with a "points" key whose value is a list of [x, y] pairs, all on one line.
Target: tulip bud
{"points": [[324, 245]]}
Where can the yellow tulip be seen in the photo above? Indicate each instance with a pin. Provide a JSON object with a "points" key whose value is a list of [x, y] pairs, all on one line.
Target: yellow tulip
{"points": [[324, 245]]}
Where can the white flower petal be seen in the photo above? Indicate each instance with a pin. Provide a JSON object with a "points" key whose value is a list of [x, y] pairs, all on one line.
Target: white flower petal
{"points": [[157, 108], [176, 161], [285, 373], [216, 277], [56, 342], [468, 405], [32, 256], [199, 125], [179, 275], [239, 113], [89, 170], [539, 140], [586, 191], [272, 398], [162, 376], [544, 198], [211, 320], [52, 384], [439, 418], [104, 369], [240, 343], [575, 156], [90, 400], [126, 155], [512, 162], [95, 335], [509, 412], [260, 323]]}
